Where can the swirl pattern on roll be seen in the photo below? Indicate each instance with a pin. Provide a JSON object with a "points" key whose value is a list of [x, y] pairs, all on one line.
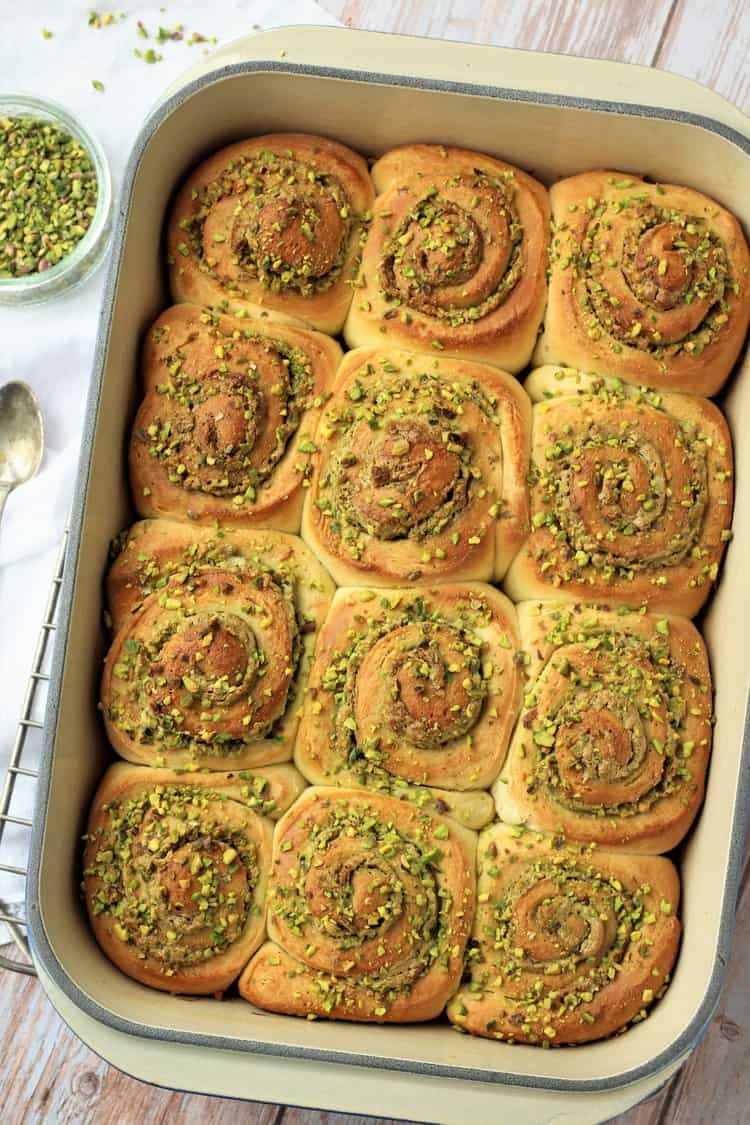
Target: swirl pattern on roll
{"points": [[569, 944], [411, 690], [420, 473], [212, 647], [226, 424], [272, 223], [650, 282], [631, 495], [614, 738], [455, 257], [369, 910], [175, 877]]}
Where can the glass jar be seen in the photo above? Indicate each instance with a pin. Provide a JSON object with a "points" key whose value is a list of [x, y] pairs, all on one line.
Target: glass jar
{"points": [[76, 267]]}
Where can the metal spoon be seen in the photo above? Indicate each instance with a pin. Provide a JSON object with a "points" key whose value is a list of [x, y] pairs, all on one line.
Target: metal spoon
{"points": [[21, 437]]}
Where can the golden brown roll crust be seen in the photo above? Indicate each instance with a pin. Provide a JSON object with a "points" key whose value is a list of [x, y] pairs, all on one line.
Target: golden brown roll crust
{"points": [[455, 257], [213, 644], [649, 282], [229, 411], [269, 790], [176, 875], [413, 689], [369, 910], [572, 943], [613, 741], [271, 226], [631, 497], [420, 473]]}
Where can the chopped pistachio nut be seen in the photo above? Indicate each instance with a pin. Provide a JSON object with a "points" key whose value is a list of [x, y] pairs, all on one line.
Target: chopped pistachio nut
{"points": [[48, 195], [174, 875]]}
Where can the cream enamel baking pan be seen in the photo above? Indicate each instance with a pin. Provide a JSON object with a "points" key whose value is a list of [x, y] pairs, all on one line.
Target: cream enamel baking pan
{"points": [[553, 116]]}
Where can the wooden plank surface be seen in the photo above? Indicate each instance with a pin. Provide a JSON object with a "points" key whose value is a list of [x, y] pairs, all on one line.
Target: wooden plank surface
{"points": [[710, 41], [46, 1074], [609, 29]]}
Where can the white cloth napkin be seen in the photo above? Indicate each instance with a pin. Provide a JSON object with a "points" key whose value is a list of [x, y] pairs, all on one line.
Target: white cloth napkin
{"points": [[51, 345]]}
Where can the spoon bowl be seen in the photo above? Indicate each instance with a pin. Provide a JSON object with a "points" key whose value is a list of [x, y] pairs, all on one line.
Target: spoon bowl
{"points": [[21, 437]]}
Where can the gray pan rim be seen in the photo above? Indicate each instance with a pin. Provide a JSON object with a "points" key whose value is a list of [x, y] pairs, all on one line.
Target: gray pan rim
{"points": [[683, 1043]]}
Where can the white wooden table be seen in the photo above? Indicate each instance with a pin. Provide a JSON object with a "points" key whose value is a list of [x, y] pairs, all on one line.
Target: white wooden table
{"points": [[46, 1074]]}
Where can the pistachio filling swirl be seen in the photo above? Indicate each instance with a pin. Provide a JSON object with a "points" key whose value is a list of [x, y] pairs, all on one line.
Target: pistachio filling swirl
{"points": [[408, 685], [457, 255], [225, 412], [404, 465], [569, 943], [273, 219], [606, 716], [556, 936], [563, 918], [360, 901], [621, 488], [654, 278], [176, 877], [207, 665]]}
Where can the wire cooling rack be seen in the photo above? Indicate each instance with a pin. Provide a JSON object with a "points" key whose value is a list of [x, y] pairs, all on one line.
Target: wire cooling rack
{"points": [[21, 777]]}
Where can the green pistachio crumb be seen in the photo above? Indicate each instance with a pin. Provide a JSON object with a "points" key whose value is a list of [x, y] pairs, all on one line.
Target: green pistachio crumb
{"points": [[48, 195]]}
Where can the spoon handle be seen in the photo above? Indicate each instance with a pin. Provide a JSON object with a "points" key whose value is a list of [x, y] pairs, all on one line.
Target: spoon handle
{"points": [[5, 490]]}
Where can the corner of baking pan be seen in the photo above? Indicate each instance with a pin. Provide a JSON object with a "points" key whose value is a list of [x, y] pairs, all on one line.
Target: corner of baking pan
{"points": [[40, 945]]}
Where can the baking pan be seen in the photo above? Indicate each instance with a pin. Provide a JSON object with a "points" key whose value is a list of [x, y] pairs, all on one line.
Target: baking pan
{"points": [[448, 97]]}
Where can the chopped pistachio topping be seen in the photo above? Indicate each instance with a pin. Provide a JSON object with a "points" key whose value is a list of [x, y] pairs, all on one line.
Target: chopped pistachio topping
{"points": [[669, 262], [553, 932], [367, 893], [48, 194], [442, 245], [409, 681], [191, 677], [291, 228], [402, 463], [607, 715], [222, 421], [621, 488], [177, 880]]}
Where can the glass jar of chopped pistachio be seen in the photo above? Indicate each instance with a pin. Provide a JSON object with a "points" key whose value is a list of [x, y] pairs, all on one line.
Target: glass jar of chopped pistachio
{"points": [[55, 200]]}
